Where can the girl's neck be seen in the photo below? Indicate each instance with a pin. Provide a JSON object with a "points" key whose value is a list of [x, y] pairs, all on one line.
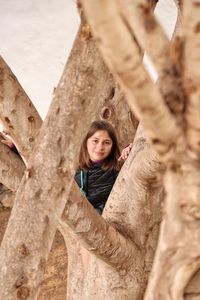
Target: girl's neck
{"points": [[97, 162]]}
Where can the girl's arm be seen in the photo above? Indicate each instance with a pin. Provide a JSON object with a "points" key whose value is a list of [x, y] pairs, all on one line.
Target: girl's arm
{"points": [[10, 144], [125, 152]]}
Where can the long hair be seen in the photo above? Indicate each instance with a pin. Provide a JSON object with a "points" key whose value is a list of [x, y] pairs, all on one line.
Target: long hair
{"points": [[111, 161]]}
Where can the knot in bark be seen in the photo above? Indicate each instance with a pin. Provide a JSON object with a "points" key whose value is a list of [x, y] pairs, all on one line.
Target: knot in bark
{"points": [[23, 250], [23, 292]]}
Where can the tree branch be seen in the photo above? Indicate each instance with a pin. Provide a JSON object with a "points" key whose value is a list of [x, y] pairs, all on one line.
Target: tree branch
{"points": [[174, 262], [11, 168], [191, 24], [124, 60], [166, 59], [19, 117], [43, 190], [98, 236]]}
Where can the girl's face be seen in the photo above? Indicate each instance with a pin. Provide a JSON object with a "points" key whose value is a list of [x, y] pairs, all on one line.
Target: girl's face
{"points": [[99, 145]]}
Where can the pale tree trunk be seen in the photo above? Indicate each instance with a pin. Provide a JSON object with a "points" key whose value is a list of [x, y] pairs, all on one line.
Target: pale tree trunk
{"points": [[102, 278], [75, 94], [18, 115], [43, 190], [135, 213], [165, 56], [133, 209], [124, 60], [137, 273], [11, 168], [111, 106], [182, 185], [123, 243], [143, 264], [177, 256]]}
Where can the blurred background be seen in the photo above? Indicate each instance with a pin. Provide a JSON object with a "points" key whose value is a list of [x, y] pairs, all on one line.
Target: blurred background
{"points": [[36, 38]]}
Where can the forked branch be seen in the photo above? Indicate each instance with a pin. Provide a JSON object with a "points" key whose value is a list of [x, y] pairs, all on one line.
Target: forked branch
{"points": [[124, 59], [166, 56]]}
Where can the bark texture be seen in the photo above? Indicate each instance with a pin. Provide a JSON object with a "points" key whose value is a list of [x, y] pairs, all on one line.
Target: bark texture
{"points": [[113, 108], [124, 60], [177, 257], [11, 168], [191, 27], [133, 209], [109, 276], [110, 105], [18, 115], [43, 191], [123, 242], [166, 56], [77, 92]]}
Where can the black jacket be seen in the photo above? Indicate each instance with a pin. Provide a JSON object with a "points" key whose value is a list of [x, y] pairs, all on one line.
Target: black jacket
{"points": [[96, 184]]}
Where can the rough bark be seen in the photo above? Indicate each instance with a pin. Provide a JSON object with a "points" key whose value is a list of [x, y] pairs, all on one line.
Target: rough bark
{"points": [[98, 236], [178, 248], [18, 115], [166, 56], [134, 210], [75, 271], [177, 258], [124, 60], [11, 168], [43, 191], [133, 215], [113, 108], [121, 281], [178, 242], [110, 106], [74, 104], [54, 284], [191, 27]]}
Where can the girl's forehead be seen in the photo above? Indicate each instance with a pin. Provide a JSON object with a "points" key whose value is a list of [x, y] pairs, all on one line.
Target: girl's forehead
{"points": [[101, 134]]}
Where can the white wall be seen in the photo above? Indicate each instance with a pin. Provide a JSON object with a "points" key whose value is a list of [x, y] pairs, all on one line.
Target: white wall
{"points": [[35, 39], [166, 13]]}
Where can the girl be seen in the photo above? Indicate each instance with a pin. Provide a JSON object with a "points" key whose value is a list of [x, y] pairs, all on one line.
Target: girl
{"points": [[98, 164], [98, 167]]}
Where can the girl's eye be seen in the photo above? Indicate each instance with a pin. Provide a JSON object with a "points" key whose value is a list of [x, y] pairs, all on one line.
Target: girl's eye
{"points": [[107, 142], [95, 141]]}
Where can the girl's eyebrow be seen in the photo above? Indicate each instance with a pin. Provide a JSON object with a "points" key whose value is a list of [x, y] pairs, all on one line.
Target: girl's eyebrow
{"points": [[106, 140]]}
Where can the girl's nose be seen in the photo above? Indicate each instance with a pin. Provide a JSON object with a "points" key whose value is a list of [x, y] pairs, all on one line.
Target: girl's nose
{"points": [[100, 146]]}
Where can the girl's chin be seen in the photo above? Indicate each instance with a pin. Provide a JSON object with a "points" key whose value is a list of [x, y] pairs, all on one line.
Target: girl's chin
{"points": [[97, 157]]}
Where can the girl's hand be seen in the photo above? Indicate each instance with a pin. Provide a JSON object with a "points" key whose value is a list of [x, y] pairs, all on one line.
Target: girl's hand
{"points": [[7, 142], [4, 137], [125, 152]]}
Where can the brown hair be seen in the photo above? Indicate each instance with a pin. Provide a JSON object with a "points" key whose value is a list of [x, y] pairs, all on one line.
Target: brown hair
{"points": [[111, 161]]}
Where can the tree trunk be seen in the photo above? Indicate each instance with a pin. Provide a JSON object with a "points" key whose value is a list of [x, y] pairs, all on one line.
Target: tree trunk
{"points": [[11, 168], [37, 199], [43, 191], [127, 210], [18, 115], [75, 93], [177, 255]]}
